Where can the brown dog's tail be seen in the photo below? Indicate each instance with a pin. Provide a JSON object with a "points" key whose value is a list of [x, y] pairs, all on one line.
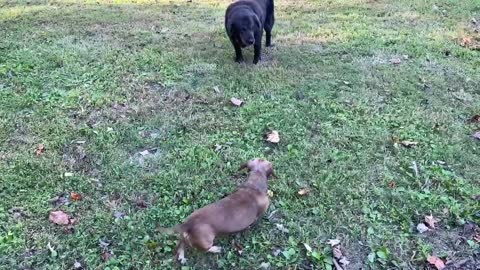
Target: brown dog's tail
{"points": [[172, 230]]}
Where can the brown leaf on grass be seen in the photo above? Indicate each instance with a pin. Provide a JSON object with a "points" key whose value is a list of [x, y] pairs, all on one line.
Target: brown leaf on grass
{"points": [[476, 135], [140, 203], [392, 184], [430, 221], [466, 41], [304, 191], [475, 119], [273, 137], [437, 262], [408, 144], [470, 43], [270, 193], [59, 217], [237, 102], [75, 196], [476, 237], [106, 256], [40, 149], [238, 247]]}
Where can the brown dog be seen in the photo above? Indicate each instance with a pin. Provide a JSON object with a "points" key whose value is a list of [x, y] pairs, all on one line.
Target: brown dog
{"points": [[234, 213]]}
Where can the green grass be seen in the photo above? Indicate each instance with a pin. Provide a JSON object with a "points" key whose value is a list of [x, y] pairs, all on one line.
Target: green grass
{"points": [[128, 76]]}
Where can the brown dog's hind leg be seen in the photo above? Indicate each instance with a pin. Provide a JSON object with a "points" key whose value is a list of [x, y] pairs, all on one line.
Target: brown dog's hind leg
{"points": [[202, 238]]}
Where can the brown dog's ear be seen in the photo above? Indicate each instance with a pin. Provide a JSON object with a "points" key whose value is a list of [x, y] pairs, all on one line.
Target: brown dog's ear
{"points": [[271, 173]]}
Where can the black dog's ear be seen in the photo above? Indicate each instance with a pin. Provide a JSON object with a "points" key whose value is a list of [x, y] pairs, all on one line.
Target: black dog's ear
{"points": [[230, 28], [257, 21]]}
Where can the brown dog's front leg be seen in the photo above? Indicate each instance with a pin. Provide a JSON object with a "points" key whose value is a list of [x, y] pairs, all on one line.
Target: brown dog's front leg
{"points": [[180, 251]]}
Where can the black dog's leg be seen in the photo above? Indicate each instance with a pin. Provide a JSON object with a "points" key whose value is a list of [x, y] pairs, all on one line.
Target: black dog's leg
{"points": [[238, 53], [269, 21], [257, 55]]}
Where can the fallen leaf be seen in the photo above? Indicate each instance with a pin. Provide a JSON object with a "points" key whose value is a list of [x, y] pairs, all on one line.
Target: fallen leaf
{"points": [[264, 265], [216, 89], [118, 214], [237, 102], [77, 265], [40, 149], [392, 184], [421, 227], [307, 247], [466, 41], [415, 168], [476, 135], [463, 96], [59, 217], [408, 144], [53, 253], [304, 191], [333, 242], [273, 137], [238, 247], [276, 252], [430, 220], [75, 196], [270, 193], [477, 238], [395, 61], [281, 228], [474, 119], [337, 253], [218, 147], [140, 203], [68, 174], [436, 261], [106, 256], [144, 153]]}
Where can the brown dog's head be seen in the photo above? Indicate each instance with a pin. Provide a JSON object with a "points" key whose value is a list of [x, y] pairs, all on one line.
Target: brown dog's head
{"points": [[259, 165]]}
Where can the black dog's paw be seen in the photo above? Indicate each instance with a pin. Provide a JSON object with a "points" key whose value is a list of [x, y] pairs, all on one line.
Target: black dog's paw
{"points": [[240, 60]]}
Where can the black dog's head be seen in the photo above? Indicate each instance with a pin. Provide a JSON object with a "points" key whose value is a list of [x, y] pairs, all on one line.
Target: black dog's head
{"points": [[243, 28]]}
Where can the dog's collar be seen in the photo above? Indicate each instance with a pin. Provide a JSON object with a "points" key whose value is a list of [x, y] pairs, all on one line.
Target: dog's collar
{"points": [[262, 189]]}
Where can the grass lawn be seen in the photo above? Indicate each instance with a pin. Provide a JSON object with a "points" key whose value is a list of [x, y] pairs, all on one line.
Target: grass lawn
{"points": [[130, 100]]}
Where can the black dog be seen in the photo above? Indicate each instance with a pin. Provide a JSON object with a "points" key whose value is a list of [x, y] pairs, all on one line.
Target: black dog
{"points": [[245, 21]]}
